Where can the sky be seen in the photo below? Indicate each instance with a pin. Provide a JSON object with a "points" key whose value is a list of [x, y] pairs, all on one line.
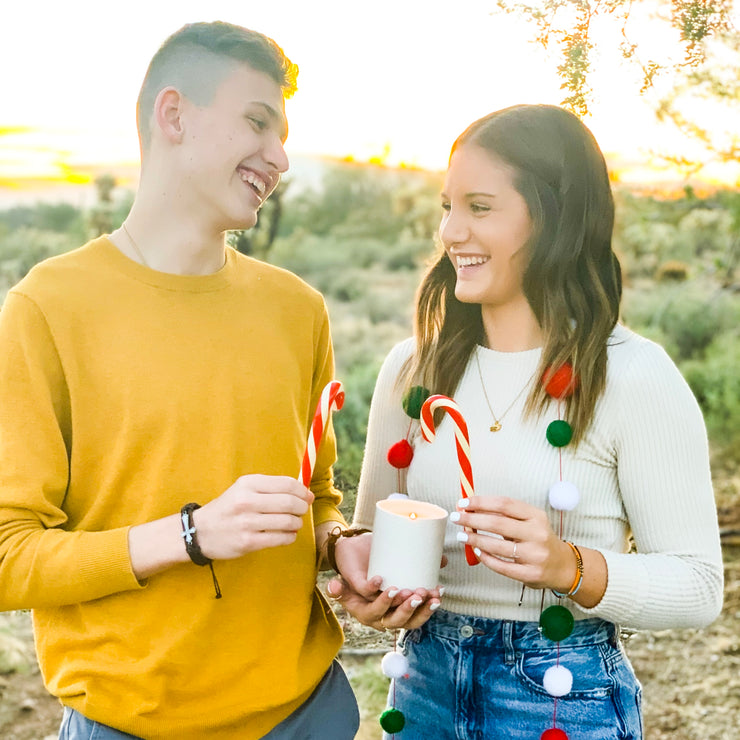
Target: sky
{"points": [[395, 80]]}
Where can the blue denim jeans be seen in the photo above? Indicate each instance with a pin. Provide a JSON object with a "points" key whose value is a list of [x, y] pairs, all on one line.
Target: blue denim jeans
{"points": [[473, 679], [330, 713]]}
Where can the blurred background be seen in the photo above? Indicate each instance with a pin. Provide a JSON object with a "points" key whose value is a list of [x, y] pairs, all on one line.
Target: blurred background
{"points": [[384, 89]]}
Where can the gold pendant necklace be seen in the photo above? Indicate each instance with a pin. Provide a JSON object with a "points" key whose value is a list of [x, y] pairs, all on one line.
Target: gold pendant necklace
{"points": [[497, 420], [135, 246]]}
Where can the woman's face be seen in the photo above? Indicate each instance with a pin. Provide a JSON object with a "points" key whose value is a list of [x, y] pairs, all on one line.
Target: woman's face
{"points": [[485, 228]]}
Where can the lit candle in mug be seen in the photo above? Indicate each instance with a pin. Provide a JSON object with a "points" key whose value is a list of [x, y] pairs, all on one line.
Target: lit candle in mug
{"points": [[408, 539]]}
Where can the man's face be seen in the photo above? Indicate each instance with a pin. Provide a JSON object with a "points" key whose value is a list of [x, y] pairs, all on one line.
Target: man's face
{"points": [[232, 154]]}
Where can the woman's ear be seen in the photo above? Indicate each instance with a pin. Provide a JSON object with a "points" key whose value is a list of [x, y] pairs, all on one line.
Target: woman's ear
{"points": [[168, 109]]}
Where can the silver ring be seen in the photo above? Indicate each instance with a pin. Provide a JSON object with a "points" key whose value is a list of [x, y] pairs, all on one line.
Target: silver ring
{"points": [[513, 554]]}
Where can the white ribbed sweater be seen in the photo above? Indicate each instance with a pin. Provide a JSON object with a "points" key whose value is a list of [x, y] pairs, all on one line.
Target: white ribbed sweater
{"points": [[642, 469]]}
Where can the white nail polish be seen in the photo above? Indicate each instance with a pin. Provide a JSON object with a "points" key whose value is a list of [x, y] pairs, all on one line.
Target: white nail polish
{"points": [[434, 607], [393, 593], [415, 603], [476, 550], [455, 516], [442, 591], [463, 503], [462, 536]]}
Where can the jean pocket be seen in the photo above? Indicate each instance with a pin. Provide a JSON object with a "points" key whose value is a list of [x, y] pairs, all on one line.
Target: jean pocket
{"points": [[592, 678]]}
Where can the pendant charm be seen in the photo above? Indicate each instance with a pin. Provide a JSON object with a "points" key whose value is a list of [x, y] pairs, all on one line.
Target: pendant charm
{"points": [[496, 426]]}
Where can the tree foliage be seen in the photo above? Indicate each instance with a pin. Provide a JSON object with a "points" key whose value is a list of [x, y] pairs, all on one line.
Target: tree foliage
{"points": [[568, 25]]}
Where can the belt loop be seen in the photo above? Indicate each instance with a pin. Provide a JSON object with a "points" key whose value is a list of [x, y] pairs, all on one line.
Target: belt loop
{"points": [[616, 631], [508, 640]]}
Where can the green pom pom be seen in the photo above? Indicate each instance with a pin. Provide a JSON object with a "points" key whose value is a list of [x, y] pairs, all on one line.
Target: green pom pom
{"points": [[556, 622], [559, 433], [414, 400], [392, 721]]}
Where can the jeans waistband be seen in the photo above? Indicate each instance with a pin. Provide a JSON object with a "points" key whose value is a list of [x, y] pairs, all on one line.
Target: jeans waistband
{"points": [[514, 635]]}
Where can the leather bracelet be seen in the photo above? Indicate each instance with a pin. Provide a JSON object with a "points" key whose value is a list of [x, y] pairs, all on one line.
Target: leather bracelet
{"points": [[190, 535], [192, 547], [331, 543]]}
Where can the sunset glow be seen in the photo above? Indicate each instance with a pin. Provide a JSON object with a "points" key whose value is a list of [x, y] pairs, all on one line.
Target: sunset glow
{"points": [[390, 84]]}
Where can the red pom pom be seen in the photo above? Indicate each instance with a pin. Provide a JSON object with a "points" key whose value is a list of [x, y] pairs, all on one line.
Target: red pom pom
{"points": [[553, 734], [401, 454], [562, 382]]}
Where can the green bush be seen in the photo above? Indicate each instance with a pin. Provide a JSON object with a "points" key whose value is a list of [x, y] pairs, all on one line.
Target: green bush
{"points": [[687, 316], [716, 384]]}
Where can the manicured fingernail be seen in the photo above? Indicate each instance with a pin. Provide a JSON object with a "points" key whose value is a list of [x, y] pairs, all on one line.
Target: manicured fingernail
{"points": [[455, 516], [393, 593], [463, 503], [415, 602], [442, 591], [476, 550], [434, 607], [462, 536]]}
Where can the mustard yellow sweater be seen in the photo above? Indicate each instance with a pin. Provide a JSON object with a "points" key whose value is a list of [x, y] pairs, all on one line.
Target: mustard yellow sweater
{"points": [[124, 394]]}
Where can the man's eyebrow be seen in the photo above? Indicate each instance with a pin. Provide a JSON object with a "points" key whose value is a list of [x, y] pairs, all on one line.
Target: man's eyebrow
{"points": [[279, 118]]}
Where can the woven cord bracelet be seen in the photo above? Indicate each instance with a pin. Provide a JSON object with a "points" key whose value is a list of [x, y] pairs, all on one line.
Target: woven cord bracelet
{"points": [[190, 536], [331, 543], [579, 573]]}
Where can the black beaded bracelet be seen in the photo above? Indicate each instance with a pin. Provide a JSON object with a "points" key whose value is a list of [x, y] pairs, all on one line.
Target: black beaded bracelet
{"points": [[331, 543], [190, 536]]}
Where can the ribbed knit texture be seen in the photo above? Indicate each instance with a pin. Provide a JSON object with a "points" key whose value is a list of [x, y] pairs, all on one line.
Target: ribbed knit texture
{"points": [[643, 468], [124, 394]]}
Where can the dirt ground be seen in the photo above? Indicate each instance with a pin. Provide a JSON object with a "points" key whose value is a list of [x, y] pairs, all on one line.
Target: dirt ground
{"points": [[691, 678]]}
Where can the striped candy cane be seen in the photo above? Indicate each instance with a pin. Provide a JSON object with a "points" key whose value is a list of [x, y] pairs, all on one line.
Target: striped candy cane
{"points": [[462, 444], [332, 397]]}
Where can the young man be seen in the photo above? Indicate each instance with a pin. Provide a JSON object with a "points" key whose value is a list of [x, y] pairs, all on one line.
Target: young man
{"points": [[157, 368]]}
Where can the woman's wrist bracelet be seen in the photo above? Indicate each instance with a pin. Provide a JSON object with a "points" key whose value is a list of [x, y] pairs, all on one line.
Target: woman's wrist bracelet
{"points": [[331, 543], [579, 573]]}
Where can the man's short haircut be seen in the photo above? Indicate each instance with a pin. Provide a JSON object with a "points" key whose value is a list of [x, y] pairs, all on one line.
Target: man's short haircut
{"points": [[197, 58]]}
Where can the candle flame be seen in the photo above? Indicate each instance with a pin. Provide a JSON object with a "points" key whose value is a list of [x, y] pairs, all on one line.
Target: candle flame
{"points": [[412, 515]]}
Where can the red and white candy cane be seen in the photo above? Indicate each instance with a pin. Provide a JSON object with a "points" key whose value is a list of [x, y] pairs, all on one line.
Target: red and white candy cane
{"points": [[462, 444], [332, 397]]}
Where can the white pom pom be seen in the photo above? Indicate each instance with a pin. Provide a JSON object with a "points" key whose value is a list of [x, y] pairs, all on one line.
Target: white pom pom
{"points": [[558, 680], [564, 496], [394, 665], [397, 495]]}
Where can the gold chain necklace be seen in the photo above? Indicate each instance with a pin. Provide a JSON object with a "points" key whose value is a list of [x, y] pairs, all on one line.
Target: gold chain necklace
{"points": [[497, 421], [135, 246]]}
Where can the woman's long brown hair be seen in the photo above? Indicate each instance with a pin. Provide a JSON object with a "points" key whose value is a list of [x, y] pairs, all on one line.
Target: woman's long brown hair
{"points": [[573, 279]]}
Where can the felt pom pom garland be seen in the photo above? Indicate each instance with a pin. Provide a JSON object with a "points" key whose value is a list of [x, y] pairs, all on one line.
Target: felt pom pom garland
{"points": [[557, 622]]}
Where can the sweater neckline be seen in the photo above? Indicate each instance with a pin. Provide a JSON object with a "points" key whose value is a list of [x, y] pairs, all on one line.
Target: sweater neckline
{"points": [[166, 280]]}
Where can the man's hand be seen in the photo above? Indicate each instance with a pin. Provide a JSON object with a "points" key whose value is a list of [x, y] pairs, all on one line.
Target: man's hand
{"points": [[257, 512]]}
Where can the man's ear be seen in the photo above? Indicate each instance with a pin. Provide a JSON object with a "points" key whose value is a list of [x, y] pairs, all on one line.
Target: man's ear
{"points": [[168, 109]]}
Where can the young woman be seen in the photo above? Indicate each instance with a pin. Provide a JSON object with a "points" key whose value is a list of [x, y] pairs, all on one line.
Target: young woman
{"points": [[608, 514]]}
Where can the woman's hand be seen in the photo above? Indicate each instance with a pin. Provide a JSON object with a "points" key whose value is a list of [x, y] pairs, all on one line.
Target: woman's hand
{"points": [[363, 598], [527, 549], [390, 609]]}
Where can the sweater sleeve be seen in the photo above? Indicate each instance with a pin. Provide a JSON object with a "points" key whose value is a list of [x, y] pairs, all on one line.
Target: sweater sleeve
{"points": [[387, 424], [43, 564], [328, 498], [675, 578]]}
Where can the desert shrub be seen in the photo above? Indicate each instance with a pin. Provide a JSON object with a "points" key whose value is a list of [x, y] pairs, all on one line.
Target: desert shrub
{"points": [[350, 425], [715, 382], [687, 317], [672, 270], [22, 248]]}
